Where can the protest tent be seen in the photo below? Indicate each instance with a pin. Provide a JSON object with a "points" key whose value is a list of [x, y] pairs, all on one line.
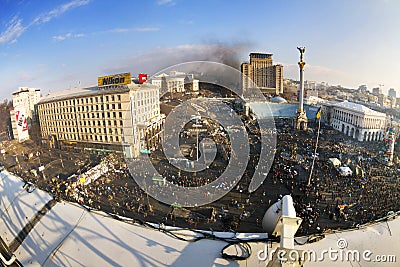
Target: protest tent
{"points": [[335, 162], [345, 171]]}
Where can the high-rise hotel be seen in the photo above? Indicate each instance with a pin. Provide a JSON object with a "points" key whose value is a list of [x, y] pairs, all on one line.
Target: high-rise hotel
{"points": [[119, 114], [262, 73]]}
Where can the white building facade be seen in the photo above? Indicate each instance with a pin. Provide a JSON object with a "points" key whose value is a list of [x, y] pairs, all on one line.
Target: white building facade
{"points": [[176, 82], [27, 98], [358, 121], [23, 111]]}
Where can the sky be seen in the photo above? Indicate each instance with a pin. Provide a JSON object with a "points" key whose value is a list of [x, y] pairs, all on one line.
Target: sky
{"points": [[60, 44]]}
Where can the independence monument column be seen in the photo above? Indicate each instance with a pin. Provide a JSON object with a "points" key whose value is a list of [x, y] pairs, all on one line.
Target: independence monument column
{"points": [[300, 118]]}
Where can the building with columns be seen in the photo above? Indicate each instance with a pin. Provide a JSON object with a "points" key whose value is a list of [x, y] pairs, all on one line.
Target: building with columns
{"points": [[176, 82], [355, 120]]}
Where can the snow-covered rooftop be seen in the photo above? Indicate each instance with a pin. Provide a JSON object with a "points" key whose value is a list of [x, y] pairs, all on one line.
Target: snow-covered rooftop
{"points": [[88, 91], [358, 108]]}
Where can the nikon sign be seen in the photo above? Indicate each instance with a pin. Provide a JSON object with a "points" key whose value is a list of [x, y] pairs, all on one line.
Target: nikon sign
{"points": [[116, 79]]}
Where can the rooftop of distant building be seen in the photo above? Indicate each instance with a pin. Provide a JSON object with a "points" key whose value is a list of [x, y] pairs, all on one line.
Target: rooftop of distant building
{"points": [[357, 107], [260, 55]]}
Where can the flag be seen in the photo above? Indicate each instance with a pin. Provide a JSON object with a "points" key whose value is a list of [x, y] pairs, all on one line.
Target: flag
{"points": [[318, 115]]}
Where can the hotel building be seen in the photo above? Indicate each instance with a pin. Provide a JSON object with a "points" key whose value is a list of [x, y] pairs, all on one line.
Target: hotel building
{"points": [[118, 114], [261, 71]]}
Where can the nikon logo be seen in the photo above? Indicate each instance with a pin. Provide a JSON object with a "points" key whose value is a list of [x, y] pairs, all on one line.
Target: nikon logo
{"points": [[123, 78], [113, 80]]}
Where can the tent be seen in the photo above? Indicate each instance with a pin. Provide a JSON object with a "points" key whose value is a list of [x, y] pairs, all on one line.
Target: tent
{"points": [[345, 171], [336, 163]]}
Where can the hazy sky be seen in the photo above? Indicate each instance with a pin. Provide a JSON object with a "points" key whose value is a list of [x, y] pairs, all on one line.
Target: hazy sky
{"points": [[58, 44]]}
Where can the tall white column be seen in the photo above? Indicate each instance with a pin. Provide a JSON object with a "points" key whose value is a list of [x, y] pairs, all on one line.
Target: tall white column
{"points": [[301, 94]]}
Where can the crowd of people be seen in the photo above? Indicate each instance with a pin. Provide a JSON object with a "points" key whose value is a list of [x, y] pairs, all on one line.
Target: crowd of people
{"points": [[324, 199]]}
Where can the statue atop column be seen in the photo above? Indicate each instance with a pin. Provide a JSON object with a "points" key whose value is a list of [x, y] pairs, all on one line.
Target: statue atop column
{"points": [[300, 118], [302, 50]]}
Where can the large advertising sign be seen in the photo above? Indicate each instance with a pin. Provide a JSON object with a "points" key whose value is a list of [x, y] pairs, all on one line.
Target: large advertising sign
{"points": [[22, 125], [115, 79]]}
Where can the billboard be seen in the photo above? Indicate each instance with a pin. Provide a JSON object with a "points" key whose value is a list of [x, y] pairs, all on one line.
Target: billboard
{"points": [[115, 79], [22, 124]]}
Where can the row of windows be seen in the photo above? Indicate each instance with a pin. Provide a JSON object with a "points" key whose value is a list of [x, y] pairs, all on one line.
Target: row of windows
{"points": [[93, 138], [92, 130], [86, 100], [83, 109], [83, 124], [73, 117]]}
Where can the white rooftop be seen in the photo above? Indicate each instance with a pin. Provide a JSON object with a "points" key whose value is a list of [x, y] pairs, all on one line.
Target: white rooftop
{"points": [[358, 108], [87, 91]]}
